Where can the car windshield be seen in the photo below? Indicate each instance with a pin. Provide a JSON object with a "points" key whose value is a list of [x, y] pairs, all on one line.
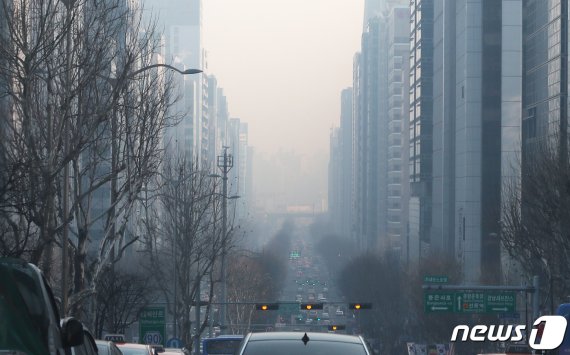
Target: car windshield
{"points": [[297, 347], [222, 346]]}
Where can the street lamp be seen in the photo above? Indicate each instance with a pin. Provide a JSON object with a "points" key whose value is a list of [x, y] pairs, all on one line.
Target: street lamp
{"points": [[183, 72]]}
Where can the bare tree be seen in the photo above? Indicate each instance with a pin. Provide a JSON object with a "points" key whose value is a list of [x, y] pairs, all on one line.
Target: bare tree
{"points": [[121, 297], [190, 241], [249, 279], [86, 119], [536, 217]]}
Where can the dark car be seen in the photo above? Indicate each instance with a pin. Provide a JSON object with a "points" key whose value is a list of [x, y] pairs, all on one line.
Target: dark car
{"points": [[299, 343], [30, 320]]}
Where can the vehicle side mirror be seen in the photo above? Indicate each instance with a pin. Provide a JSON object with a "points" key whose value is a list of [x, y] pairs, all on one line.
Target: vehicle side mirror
{"points": [[71, 332]]}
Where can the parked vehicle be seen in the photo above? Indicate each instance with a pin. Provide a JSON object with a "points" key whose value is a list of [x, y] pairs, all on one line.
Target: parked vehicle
{"points": [[107, 348], [30, 321], [135, 349]]}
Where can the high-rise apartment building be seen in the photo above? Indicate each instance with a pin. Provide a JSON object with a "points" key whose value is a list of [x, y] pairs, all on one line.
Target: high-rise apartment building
{"points": [[473, 93], [420, 146], [378, 106], [545, 74], [366, 121], [396, 188], [238, 179], [335, 180], [345, 137], [182, 24]]}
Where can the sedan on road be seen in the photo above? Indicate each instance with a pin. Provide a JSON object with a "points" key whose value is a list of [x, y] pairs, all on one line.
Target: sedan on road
{"points": [[299, 343]]}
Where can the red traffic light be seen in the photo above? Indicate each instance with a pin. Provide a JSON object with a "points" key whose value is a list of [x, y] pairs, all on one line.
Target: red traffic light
{"points": [[267, 306], [311, 306]]}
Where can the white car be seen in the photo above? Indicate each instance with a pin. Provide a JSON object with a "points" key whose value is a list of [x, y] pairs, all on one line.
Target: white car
{"points": [[339, 312]]}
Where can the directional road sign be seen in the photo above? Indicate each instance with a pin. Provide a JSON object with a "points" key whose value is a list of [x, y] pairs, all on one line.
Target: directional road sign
{"points": [[470, 301], [151, 325], [439, 301], [504, 302]]}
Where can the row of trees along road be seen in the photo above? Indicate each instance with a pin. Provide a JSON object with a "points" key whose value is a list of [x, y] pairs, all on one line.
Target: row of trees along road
{"points": [[82, 121], [398, 314]]}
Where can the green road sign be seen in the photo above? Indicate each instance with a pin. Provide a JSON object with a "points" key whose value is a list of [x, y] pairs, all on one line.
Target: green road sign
{"points": [[151, 325], [439, 301], [501, 302], [436, 279], [470, 301]]}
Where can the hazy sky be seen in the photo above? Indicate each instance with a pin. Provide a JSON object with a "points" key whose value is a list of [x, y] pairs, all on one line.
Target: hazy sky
{"points": [[283, 64]]}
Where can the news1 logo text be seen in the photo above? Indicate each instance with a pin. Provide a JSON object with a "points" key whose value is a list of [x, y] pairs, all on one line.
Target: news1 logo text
{"points": [[553, 330]]}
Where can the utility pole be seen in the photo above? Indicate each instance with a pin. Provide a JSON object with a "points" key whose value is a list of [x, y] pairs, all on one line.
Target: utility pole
{"points": [[225, 163]]}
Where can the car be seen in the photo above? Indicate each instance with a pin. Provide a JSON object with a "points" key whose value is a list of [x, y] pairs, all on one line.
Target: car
{"points": [[107, 348], [174, 351], [135, 349], [30, 321], [325, 315], [300, 343], [339, 312]]}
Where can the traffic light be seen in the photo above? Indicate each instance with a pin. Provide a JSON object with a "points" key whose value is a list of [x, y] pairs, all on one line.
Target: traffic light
{"points": [[311, 306], [359, 306], [334, 328], [267, 306]]}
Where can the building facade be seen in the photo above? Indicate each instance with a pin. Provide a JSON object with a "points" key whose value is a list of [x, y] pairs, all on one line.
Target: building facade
{"points": [[420, 138], [474, 129]]}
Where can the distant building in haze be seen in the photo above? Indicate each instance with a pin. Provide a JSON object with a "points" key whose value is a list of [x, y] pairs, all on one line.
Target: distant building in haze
{"points": [[182, 23]]}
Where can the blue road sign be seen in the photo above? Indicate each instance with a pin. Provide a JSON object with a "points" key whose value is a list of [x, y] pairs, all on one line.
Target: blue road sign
{"points": [[174, 343]]}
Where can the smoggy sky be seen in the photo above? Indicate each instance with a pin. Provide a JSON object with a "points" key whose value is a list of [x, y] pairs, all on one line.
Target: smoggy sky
{"points": [[283, 64]]}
